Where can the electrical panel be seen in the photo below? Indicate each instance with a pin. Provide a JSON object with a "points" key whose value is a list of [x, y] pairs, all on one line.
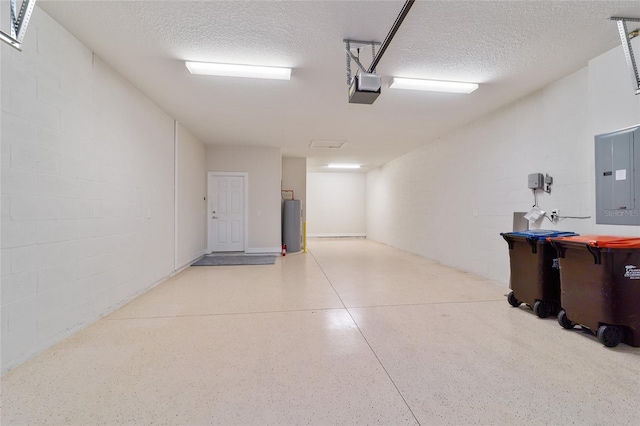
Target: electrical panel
{"points": [[617, 184], [536, 181]]}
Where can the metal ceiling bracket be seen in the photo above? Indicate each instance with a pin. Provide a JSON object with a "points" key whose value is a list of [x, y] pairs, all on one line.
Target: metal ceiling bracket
{"points": [[351, 44], [357, 44], [625, 38], [19, 23], [13, 18], [356, 60]]}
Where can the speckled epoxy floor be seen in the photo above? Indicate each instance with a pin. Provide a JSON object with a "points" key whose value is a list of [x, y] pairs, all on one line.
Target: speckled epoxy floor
{"points": [[354, 332]]}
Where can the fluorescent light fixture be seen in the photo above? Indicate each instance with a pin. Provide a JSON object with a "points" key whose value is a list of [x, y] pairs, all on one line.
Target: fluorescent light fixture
{"points": [[233, 70], [343, 166], [432, 85]]}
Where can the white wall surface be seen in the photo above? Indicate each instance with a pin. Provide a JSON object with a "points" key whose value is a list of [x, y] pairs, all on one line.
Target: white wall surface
{"points": [[612, 102], [264, 166], [336, 204], [191, 179], [87, 190], [450, 199], [294, 177]]}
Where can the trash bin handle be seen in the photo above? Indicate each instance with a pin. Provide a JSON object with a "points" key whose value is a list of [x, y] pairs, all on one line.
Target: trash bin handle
{"points": [[510, 242], [595, 252], [558, 248], [533, 243]]}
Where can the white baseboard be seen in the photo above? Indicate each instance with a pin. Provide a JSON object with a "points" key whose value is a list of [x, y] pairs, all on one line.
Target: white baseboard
{"points": [[337, 235], [263, 250], [190, 259]]}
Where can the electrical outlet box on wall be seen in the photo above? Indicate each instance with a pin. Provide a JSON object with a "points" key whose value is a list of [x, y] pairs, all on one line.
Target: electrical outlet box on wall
{"points": [[536, 181]]}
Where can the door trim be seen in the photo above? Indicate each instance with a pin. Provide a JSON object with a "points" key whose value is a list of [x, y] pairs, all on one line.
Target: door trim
{"points": [[244, 175]]}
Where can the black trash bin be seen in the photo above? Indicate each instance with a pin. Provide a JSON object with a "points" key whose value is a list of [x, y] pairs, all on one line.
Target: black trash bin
{"points": [[600, 286], [535, 277]]}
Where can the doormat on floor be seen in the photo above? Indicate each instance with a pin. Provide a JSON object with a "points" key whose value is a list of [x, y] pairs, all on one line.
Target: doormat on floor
{"points": [[234, 260]]}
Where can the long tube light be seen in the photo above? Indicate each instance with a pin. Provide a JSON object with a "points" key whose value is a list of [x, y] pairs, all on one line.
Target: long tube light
{"points": [[432, 85], [233, 70], [343, 166]]}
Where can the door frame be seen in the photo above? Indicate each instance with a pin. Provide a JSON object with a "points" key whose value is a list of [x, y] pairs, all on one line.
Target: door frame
{"points": [[244, 175]]}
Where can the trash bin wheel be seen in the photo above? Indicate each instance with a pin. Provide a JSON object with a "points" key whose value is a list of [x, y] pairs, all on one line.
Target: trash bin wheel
{"points": [[609, 335], [542, 308], [564, 321], [511, 298]]}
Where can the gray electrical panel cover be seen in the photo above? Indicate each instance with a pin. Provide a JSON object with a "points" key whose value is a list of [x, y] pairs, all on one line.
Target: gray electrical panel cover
{"points": [[617, 184]]}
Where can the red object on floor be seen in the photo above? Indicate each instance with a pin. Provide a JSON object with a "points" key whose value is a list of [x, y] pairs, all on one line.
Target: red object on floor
{"points": [[284, 249]]}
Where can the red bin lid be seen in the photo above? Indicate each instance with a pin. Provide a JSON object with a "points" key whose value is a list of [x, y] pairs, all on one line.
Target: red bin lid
{"points": [[603, 241]]}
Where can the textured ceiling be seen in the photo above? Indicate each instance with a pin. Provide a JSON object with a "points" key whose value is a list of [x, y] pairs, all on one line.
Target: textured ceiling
{"points": [[511, 47]]}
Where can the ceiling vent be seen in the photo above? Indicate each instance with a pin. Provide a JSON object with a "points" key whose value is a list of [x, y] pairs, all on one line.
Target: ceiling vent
{"points": [[326, 144]]}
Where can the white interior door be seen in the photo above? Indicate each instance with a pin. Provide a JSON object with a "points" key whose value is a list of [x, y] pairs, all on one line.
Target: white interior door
{"points": [[226, 213]]}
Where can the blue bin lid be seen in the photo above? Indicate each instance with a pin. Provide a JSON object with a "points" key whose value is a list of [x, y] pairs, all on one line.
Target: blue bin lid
{"points": [[541, 234]]}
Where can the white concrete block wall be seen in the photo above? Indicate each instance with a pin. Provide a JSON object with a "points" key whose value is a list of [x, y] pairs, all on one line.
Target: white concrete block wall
{"points": [[191, 204], [336, 204], [87, 190], [450, 199]]}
